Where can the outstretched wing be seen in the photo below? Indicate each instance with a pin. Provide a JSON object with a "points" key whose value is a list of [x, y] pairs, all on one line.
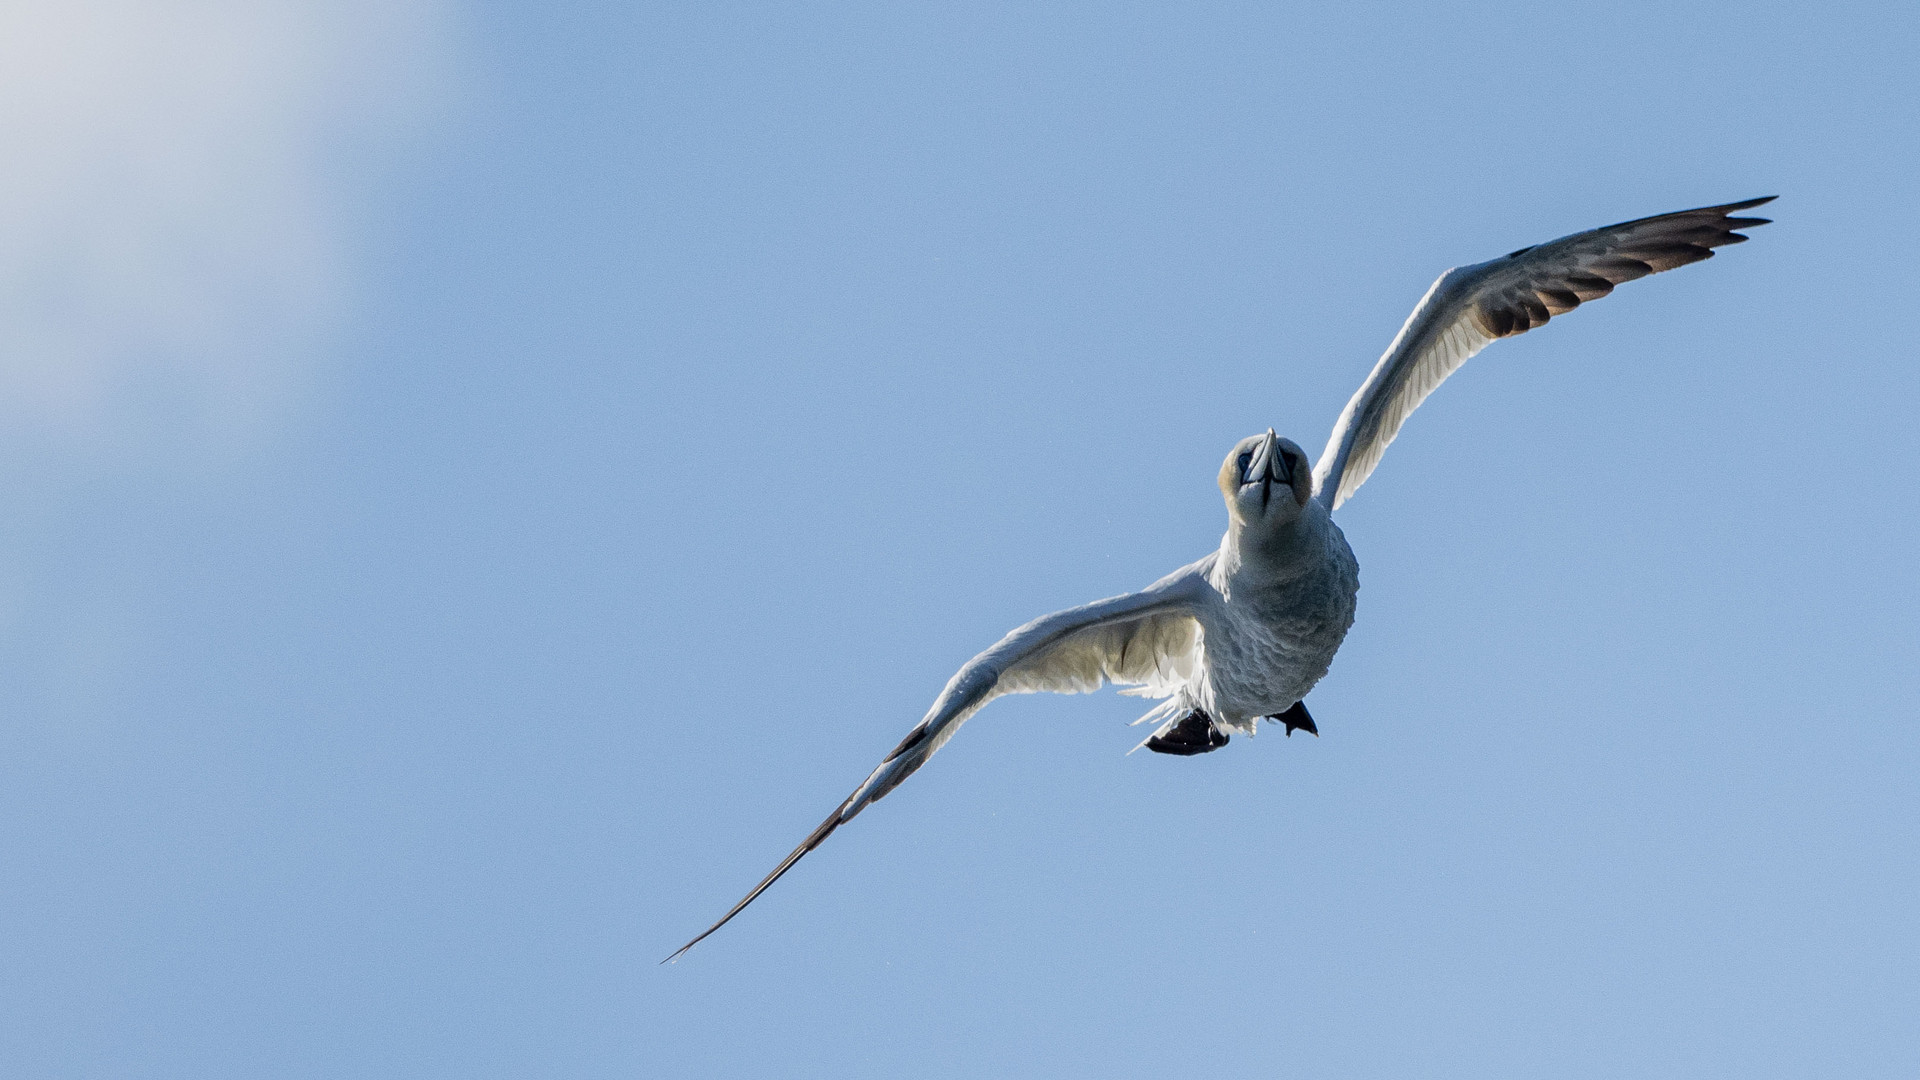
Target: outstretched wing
{"points": [[1149, 638], [1470, 306]]}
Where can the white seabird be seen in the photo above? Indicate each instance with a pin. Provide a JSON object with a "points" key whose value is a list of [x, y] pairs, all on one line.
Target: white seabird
{"points": [[1244, 633]]}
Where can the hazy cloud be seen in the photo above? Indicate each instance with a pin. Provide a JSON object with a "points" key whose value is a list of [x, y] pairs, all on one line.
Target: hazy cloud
{"points": [[173, 176]]}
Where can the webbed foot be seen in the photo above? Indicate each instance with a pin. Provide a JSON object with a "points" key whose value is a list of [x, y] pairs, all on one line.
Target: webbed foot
{"points": [[1194, 734], [1297, 717]]}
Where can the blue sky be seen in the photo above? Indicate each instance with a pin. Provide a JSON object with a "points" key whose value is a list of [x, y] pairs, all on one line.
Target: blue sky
{"points": [[482, 480]]}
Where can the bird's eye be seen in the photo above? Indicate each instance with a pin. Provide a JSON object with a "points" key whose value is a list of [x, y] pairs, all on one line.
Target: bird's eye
{"points": [[1245, 460]]}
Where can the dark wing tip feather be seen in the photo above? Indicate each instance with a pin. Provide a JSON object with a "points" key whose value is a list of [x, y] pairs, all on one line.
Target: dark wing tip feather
{"points": [[1559, 301], [1713, 214], [1620, 269], [912, 740], [1496, 321], [812, 841], [1664, 257], [1551, 279]]}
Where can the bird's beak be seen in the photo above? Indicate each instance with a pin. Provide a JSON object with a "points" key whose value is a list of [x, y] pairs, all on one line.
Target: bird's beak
{"points": [[1262, 465], [1278, 464], [1262, 461]]}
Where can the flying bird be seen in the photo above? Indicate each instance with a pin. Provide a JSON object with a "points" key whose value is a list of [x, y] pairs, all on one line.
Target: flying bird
{"points": [[1243, 634]]}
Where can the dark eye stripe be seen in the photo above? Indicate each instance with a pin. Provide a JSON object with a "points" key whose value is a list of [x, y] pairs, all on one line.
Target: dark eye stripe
{"points": [[1245, 460]]}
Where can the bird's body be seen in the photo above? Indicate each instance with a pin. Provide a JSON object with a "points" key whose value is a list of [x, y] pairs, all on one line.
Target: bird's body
{"points": [[1244, 633], [1282, 614], [1273, 612]]}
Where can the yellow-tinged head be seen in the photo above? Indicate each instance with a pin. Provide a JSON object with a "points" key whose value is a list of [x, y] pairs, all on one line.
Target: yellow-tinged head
{"points": [[1266, 480]]}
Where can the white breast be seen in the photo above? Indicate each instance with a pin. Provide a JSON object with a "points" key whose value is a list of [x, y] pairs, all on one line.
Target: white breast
{"points": [[1276, 634]]}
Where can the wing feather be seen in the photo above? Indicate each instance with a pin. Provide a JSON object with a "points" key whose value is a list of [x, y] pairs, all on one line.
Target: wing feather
{"points": [[1469, 307], [1148, 638], [1157, 652]]}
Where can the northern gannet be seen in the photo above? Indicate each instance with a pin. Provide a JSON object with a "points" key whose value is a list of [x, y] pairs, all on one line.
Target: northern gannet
{"points": [[1244, 633]]}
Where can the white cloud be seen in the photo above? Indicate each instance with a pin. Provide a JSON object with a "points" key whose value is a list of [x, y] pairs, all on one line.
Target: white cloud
{"points": [[172, 196]]}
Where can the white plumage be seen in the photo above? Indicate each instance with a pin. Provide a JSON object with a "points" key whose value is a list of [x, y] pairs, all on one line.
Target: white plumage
{"points": [[1244, 633]]}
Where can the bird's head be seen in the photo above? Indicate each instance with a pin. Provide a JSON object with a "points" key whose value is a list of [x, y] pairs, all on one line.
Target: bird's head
{"points": [[1266, 480]]}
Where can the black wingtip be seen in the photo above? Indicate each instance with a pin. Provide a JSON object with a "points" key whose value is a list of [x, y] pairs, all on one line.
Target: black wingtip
{"points": [[813, 840]]}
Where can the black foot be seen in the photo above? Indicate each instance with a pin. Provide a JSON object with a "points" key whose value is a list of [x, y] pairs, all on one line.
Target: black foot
{"points": [[1194, 734], [1297, 717]]}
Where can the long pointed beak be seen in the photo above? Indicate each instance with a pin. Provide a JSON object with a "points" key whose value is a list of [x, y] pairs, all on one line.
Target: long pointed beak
{"points": [[1262, 466], [1262, 457], [1278, 464]]}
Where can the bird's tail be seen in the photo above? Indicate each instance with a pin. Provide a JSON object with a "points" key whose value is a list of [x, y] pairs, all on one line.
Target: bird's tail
{"points": [[1165, 715]]}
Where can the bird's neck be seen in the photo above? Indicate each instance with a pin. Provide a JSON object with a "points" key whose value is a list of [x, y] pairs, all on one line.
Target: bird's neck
{"points": [[1266, 553]]}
